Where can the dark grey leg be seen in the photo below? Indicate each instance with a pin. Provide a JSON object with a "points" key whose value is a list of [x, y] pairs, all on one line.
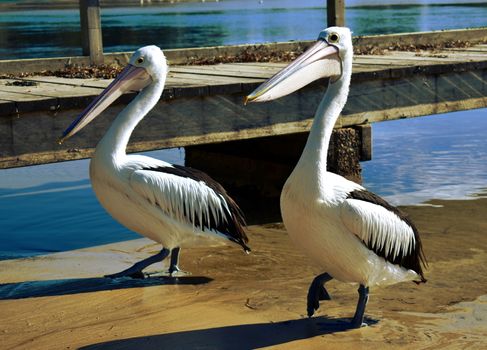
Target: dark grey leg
{"points": [[173, 267], [317, 292], [358, 318], [135, 271]]}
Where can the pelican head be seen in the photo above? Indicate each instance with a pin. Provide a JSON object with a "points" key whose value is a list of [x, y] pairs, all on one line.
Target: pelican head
{"points": [[146, 66], [324, 59]]}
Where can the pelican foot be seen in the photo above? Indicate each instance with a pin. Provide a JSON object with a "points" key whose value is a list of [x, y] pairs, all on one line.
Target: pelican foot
{"points": [[317, 292], [175, 271], [135, 271], [167, 273], [136, 275], [358, 324]]}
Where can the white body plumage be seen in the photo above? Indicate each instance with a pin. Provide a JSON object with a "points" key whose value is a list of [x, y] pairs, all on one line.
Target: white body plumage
{"points": [[170, 204], [152, 203], [326, 227]]}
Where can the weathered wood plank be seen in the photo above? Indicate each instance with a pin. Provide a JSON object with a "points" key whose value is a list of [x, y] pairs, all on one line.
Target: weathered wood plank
{"points": [[47, 89], [88, 83], [174, 79], [226, 70]]}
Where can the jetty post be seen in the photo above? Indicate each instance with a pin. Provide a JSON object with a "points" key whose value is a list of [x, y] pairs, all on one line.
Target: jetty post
{"points": [[91, 38], [335, 10]]}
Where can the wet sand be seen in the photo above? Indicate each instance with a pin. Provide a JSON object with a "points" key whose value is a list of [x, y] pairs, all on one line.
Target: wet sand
{"points": [[238, 301]]}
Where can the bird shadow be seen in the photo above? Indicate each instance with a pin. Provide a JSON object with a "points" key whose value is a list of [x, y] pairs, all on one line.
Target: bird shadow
{"points": [[238, 337], [34, 289]]}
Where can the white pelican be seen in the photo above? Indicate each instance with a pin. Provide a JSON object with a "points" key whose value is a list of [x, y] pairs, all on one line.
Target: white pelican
{"points": [[354, 235], [170, 204]]}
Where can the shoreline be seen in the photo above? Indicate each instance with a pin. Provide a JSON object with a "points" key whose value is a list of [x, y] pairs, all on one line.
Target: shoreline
{"points": [[60, 301]]}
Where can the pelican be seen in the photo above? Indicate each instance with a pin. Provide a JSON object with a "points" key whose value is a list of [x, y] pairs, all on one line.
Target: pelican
{"points": [[173, 205], [354, 235]]}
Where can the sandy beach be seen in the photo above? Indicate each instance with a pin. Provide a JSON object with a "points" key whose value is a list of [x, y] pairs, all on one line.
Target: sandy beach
{"points": [[238, 301]]}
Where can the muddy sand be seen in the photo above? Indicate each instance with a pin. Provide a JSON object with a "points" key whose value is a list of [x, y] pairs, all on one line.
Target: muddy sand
{"points": [[238, 301]]}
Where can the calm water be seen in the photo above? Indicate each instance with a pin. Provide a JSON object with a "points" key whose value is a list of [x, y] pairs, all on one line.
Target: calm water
{"points": [[52, 208], [50, 33]]}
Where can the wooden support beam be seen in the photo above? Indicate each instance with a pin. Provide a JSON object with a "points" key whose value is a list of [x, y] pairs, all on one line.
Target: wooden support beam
{"points": [[258, 168], [91, 38], [335, 10], [365, 135]]}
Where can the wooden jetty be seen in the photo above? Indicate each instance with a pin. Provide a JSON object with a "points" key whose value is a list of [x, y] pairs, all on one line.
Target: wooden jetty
{"points": [[203, 104]]}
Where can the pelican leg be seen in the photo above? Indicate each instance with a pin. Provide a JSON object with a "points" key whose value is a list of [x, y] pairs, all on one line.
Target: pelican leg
{"points": [[358, 318], [135, 271], [173, 267], [317, 292]]}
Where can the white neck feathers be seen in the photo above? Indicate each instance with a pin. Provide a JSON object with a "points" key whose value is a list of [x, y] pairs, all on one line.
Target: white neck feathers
{"points": [[112, 147], [313, 160]]}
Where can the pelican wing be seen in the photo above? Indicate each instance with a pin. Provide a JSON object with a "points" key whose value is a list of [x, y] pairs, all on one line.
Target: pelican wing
{"points": [[384, 229], [192, 197]]}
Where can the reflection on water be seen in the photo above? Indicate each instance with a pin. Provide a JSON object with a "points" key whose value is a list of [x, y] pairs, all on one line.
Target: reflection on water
{"points": [[56, 32], [442, 157], [50, 208]]}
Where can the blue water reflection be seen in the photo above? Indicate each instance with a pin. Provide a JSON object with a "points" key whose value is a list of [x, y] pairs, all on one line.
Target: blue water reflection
{"points": [[50, 208], [51, 33], [441, 156]]}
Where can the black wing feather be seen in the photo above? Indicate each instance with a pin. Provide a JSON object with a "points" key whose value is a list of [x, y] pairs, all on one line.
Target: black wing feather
{"points": [[233, 226], [415, 259]]}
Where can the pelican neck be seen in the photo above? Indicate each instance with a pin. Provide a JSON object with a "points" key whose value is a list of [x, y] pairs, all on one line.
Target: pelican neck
{"points": [[114, 144], [315, 153]]}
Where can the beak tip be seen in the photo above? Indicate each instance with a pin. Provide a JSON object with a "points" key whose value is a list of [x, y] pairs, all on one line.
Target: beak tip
{"points": [[246, 100], [61, 140]]}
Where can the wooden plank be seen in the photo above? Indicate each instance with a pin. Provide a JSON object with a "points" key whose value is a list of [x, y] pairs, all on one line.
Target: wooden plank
{"points": [[402, 60], [477, 48], [215, 84], [178, 77], [88, 83], [229, 70], [16, 96], [263, 64], [48, 89]]}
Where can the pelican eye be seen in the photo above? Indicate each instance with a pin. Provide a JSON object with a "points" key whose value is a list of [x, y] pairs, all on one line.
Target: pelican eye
{"points": [[140, 60], [333, 38]]}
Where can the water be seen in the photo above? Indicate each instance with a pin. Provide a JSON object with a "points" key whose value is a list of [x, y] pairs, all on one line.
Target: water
{"points": [[51, 207], [50, 33], [441, 156]]}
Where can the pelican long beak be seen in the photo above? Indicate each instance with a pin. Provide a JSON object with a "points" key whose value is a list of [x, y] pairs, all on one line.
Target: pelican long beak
{"points": [[130, 79], [321, 60]]}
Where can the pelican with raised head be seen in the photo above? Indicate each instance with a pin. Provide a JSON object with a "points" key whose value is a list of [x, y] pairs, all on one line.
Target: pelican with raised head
{"points": [[354, 235], [174, 205]]}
